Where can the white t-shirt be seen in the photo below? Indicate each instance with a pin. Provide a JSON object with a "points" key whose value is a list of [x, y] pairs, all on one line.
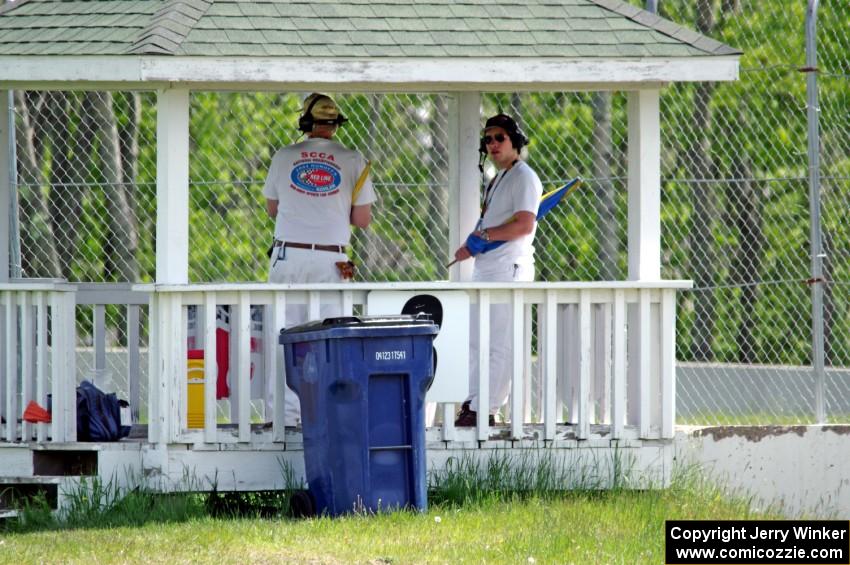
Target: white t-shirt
{"points": [[313, 182], [516, 190]]}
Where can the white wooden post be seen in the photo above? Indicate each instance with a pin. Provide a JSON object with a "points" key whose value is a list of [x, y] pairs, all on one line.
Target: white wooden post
{"points": [[5, 186], [172, 187], [644, 186], [644, 239], [63, 366], [464, 177]]}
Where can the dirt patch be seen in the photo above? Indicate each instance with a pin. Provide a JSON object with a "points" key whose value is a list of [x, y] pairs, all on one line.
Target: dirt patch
{"points": [[751, 433], [841, 430]]}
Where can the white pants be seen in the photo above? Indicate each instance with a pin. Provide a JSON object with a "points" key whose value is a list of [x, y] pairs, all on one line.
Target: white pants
{"points": [[291, 265], [302, 266], [501, 334]]}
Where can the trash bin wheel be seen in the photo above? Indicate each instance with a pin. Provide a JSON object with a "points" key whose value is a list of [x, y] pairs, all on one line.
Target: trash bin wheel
{"points": [[301, 504]]}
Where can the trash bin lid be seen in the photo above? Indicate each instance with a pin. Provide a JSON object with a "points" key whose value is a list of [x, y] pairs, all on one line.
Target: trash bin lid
{"points": [[360, 326]]}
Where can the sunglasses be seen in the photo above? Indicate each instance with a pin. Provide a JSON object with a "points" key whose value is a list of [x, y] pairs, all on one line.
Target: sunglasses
{"points": [[498, 138]]}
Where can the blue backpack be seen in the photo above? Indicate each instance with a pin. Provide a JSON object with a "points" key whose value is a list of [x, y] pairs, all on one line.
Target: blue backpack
{"points": [[98, 415]]}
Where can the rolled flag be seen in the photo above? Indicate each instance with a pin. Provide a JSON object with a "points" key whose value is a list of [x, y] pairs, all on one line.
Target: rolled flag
{"points": [[477, 245]]}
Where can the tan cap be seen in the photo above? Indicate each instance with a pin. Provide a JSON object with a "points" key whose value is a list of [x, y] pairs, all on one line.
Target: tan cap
{"points": [[324, 107]]}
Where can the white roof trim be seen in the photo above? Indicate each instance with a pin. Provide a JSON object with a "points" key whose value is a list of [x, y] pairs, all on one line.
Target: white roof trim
{"points": [[430, 74]]}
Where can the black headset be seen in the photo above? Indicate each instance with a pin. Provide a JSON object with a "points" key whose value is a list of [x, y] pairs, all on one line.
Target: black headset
{"points": [[307, 121], [507, 123]]}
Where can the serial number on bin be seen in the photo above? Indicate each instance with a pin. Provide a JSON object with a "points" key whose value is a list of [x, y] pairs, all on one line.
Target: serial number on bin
{"points": [[390, 355]]}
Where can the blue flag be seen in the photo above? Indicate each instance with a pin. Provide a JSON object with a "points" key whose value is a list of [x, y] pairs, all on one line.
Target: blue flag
{"points": [[477, 245]]}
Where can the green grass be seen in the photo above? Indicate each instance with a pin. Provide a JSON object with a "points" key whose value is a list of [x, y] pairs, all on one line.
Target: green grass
{"points": [[616, 527], [465, 525]]}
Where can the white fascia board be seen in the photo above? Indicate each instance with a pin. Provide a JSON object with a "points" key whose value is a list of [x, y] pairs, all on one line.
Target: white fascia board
{"points": [[386, 74]]}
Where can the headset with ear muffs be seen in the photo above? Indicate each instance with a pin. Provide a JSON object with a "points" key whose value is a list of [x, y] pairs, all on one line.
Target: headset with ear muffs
{"points": [[307, 121], [515, 133]]}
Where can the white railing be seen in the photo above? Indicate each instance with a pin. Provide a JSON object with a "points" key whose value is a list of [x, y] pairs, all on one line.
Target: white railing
{"points": [[605, 353], [37, 359], [130, 302]]}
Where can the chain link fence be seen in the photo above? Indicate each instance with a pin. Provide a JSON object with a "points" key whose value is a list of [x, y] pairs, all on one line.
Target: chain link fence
{"points": [[735, 205]]}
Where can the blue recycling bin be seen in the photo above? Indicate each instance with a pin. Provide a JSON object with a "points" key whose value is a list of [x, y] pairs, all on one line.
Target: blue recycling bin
{"points": [[362, 383]]}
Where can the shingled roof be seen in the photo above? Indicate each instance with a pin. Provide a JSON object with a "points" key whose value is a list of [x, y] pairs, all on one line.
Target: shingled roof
{"points": [[347, 28]]}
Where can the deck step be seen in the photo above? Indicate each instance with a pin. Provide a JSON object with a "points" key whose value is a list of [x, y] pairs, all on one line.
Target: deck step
{"points": [[13, 490]]}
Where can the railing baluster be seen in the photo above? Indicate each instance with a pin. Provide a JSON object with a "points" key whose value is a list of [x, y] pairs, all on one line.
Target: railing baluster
{"points": [[5, 349], [99, 337], [618, 388], [538, 375], [517, 376], [668, 362], [181, 366], [601, 362], [314, 303], [347, 303], [528, 378], [26, 361], [210, 367], [11, 366], [572, 360], [41, 360], [243, 369], [176, 376], [583, 424], [278, 370], [133, 360], [645, 416], [550, 337], [483, 364], [155, 361]]}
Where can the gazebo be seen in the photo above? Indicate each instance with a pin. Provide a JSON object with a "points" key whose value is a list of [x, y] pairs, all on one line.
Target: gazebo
{"points": [[615, 377]]}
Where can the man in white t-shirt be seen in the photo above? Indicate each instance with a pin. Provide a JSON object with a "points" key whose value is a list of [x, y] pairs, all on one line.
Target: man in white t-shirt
{"points": [[315, 190], [310, 193], [509, 214]]}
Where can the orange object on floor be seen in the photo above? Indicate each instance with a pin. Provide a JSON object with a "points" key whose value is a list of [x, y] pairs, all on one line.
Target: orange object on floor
{"points": [[35, 413]]}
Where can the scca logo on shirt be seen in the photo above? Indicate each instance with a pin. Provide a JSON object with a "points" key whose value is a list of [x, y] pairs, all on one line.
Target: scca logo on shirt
{"points": [[316, 178]]}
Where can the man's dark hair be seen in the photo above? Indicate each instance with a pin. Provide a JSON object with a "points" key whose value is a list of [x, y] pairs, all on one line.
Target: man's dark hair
{"points": [[507, 123]]}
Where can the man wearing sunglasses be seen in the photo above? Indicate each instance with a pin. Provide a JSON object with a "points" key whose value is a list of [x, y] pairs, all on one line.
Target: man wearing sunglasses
{"points": [[509, 214]]}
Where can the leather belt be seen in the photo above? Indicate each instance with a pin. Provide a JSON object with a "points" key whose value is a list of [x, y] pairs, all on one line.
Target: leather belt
{"points": [[313, 246]]}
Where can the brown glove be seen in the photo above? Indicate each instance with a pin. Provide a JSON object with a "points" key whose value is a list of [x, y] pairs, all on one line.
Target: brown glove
{"points": [[346, 269]]}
